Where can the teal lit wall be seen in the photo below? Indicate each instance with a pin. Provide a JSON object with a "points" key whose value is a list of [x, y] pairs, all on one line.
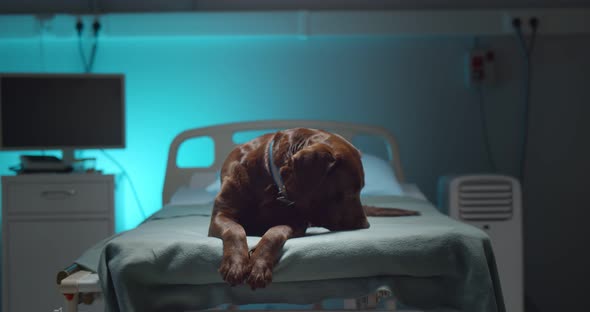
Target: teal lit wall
{"points": [[409, 85]]}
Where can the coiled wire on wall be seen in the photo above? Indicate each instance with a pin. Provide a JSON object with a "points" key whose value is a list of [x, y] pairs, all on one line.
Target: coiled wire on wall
{"points": [[484, 123], [126, 175], [88, 66], [527, 51]]}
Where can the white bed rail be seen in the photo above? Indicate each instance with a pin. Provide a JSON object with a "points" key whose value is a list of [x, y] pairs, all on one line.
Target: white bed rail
{"points": [[222, 136]]}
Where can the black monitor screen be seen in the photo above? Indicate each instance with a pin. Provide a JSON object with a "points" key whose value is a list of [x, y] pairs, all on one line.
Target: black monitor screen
{"points": [[62, 111]]}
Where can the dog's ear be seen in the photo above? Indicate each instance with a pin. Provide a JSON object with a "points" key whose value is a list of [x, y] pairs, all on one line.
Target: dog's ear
{"points": [[316, 159], [311, 165]]}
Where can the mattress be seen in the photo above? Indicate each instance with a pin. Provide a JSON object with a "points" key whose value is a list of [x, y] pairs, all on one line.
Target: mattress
{"points": [[187, 195], [428, 261]]}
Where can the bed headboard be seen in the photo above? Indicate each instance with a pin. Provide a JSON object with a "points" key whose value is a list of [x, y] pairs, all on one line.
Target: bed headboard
{"points": [[222, 136]]}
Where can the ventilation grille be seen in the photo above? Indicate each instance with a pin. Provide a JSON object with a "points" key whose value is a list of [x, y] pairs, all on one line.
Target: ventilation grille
{"points": [[485, 200]]}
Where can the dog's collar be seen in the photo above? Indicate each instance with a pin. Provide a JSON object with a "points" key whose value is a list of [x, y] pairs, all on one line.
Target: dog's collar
{"points": [[276, 176]]}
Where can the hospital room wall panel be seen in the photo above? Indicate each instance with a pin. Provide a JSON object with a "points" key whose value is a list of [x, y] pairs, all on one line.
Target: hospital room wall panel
{"points": [[19, 6], [173, 84], [414, 86], [556, 184]]}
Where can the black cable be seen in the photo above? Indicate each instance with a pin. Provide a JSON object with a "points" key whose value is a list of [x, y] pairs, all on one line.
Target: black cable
{"points": [[88, 68], [527, 72], [527, 52], [88, 64], [16, 168], [79, 29], [82, 55], [485, 132], [526, 104], [484, 124], [124, 172], [95, 30], [534, 23]]}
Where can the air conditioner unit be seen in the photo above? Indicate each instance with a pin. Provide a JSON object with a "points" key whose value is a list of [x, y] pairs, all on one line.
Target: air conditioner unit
{"points": [[492, 203]]}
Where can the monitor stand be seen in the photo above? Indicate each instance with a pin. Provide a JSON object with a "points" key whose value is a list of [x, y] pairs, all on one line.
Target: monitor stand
{"points": [[68, 156], [70, 160]]}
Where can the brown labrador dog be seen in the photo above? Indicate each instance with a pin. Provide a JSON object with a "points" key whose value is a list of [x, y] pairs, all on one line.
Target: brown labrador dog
{"points": [[277, 185]]}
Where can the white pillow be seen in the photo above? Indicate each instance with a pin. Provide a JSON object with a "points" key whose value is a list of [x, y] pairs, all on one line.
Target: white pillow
{"points": [[379, 178], [214, 187], [191, 196]]}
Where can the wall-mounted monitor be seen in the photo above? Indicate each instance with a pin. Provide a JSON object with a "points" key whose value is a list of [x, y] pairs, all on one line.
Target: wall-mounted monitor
{"points": [[62, 111]]}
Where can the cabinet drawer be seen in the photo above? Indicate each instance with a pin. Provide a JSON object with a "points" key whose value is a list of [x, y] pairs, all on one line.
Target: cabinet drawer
{"points": [[87, 197]]}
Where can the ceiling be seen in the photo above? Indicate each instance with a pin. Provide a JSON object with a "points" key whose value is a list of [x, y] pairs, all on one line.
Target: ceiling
{"points": [[107, 6]]}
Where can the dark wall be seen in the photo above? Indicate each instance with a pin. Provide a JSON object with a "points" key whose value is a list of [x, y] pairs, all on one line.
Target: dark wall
{"points": [[557, 205], [80, 6]]}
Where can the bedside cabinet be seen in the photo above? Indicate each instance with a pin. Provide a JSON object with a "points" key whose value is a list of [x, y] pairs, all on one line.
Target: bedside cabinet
{"points": [[48, 221]]}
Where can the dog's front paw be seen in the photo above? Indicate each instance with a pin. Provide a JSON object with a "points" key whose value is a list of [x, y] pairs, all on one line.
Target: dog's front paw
{"points": [[234, 269], [260, 274]]}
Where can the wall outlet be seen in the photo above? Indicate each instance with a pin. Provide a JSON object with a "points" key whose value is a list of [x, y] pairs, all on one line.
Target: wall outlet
{"points": [[480, 67]]}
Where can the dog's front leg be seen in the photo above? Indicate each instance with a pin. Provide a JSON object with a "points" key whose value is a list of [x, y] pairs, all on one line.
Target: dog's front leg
{"points": [[235, 264], [267, 251]]}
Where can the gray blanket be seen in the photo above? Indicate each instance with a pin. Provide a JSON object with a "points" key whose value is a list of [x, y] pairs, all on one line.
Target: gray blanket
{"points": [[430, 261]]}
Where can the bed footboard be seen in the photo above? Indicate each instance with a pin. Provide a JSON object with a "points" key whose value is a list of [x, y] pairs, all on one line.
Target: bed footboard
{"points": [[83, 287]]}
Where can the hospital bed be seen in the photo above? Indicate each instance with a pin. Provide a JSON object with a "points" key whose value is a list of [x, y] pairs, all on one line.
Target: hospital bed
{"points": [[427, 262]]}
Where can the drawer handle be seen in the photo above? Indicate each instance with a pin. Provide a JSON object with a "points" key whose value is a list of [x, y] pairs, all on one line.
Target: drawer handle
{"points": [[58, 194]]}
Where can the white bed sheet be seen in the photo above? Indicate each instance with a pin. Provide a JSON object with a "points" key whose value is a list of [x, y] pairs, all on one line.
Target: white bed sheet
{"points": [[426, 261], [190, 196]]}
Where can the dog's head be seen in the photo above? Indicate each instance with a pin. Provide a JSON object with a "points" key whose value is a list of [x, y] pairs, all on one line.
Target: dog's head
{"points": [[325, 180]]}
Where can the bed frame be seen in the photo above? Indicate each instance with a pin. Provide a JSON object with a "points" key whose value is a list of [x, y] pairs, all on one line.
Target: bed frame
{"points": [[223, 135], [81, 286]]}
